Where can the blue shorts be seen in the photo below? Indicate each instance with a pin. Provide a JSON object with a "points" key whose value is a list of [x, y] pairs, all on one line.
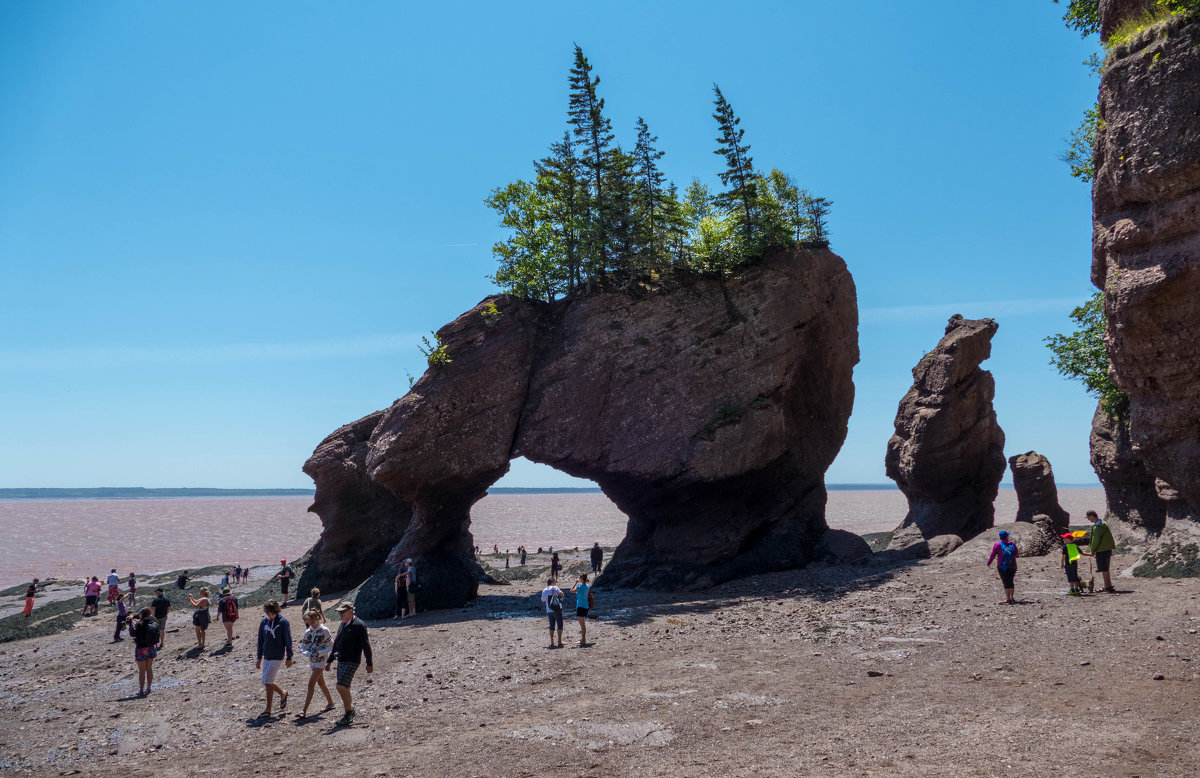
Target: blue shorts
{"points": [[555, 618]]}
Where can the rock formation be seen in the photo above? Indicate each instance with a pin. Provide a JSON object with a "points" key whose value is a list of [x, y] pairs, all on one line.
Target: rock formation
{"points": [[1033, 479], [362, 521], [1129, 487], [1146, 240], [1033, 538], [707, 412], [947, 455]]}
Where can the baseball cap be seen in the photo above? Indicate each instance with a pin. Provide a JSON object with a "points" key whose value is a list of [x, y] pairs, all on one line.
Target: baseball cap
{"points": [[1003, 533], [345, 606]]}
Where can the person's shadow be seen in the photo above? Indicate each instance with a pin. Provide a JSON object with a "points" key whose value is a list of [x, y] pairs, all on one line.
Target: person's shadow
{"points": [[223, 650], [254, 722], [194, 652]]}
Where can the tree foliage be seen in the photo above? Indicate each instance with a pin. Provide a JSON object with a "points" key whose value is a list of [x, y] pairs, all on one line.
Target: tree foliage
{"points": [[594, 214], [1081, 356]]}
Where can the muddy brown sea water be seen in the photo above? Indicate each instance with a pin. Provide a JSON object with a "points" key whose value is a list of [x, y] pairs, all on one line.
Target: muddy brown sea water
{"points": [[75, 538]]}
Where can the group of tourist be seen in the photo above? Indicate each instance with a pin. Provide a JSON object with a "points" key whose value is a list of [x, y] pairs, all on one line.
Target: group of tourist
{"points": [[1101, 545], [552, 598]]}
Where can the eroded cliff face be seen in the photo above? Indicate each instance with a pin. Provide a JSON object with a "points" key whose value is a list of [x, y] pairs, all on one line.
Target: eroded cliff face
{"points": [[1129, 488], [947, 455], [1146, 242], [708, 413]]}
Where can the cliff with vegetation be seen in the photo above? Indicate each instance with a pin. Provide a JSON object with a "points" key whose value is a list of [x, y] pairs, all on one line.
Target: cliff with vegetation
{"points": [[707, 411]]}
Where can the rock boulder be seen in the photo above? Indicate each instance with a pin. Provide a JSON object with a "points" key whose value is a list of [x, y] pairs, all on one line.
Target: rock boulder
{"points": [[1129, 488], [707, 411], [947, 455], [1033, 480], [1146, 239]]}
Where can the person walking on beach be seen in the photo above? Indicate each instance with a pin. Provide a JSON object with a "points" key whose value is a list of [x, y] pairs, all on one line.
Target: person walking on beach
{"points": [[583, 593], [1005, 551], [1101, 546], [200, 616], [349, 648], [237, 574], [225, 580], [552, 598], [227, 612], [316, 643], [597, 557], [410, 582], [245, 574], [122, 615], [400, 585], [313, 603], [555, 566], [114, 586], [274, 650], [181, 581], [132, 589], [521, 551], [91, 597], [145, 633], [30, 593], [285, 576], [161, 607]]}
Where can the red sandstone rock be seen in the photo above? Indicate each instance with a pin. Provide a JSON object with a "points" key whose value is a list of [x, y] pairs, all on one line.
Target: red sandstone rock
{"points": [[947, 455], [1129, 488], [1033, 479]]}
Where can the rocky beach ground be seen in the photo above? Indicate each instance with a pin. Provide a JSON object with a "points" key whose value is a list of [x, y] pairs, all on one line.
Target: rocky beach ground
{"points": [[906, 669]]}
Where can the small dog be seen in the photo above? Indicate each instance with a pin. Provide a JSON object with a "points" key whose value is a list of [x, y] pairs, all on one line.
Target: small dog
{"points": [[1091, 584]]}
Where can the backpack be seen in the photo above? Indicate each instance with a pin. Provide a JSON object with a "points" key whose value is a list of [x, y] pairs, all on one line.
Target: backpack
{"points": [[231, 609], [151, 632], [556, 603], [1008, 556]]}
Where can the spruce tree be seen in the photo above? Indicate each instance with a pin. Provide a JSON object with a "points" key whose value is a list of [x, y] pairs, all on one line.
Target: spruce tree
{"points": [[738, 175], [816, 233], [648, 193], [561, 181], [618, 222], [594, 134]]}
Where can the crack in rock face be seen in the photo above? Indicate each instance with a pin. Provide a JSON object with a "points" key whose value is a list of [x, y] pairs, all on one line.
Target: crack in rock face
{"points": [[708, 412]]}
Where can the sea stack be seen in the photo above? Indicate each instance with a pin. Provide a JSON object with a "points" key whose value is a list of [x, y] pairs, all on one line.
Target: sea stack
{"points": [[1129, 488], [947, 455], [708, 411], [1037, 494], [1146, 237]]}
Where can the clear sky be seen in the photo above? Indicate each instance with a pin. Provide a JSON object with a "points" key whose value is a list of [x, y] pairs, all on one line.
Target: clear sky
{"points": [[224, 226]]}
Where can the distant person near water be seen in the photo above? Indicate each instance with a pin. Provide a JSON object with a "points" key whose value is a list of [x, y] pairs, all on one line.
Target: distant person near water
{"points": [[521, 551], [349, 648], [285, 576], [114, 586], [122, 615], [555, 566], [200, 616], [91, 597], [182, 580], [1101, 545], [274, 644], [132, 589], [145, 633], [30, 593], [583, 602], [552, 598], [597, 557], [1005, 551], [227, 612], [316, 644], [161, 607]]}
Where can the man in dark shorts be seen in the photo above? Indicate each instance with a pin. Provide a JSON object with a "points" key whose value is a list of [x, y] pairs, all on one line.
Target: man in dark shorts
{"points": [[552, 598], [161, 607], [1101, 544], [597, 557], [285, 576], [349, 648]]}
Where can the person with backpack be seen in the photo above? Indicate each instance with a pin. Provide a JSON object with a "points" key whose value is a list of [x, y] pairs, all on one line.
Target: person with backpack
{"points": [[161, 607], [122, 615], [313, 603], [552, 598], [285, 576], [227, 612], [145, 633], [1004, 551], [583, 601], [181, 581]]}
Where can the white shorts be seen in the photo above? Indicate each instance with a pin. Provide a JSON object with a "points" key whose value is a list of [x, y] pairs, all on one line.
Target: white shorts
{"points": [[316, 665], [271, 669]]}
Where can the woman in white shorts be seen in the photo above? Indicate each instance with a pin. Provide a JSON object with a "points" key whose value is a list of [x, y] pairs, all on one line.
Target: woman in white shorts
{"points": [[316, 645]]}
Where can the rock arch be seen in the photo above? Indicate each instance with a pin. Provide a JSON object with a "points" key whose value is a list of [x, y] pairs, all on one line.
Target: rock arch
{"points": [[708, 413]]}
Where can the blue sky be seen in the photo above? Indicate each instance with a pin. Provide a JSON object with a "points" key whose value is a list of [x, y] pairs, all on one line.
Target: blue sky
{"points": [[224, 226]]}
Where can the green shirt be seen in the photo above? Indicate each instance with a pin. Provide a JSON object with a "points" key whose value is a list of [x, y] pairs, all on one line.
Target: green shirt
{"points": [[1102, 538]]}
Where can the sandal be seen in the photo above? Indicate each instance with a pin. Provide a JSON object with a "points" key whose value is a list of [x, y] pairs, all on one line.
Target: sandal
{"points": [[283, 701], [301, 715]]}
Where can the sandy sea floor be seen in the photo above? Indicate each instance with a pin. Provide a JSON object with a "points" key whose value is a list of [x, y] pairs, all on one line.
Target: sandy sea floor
{"points": [[909, 670]]}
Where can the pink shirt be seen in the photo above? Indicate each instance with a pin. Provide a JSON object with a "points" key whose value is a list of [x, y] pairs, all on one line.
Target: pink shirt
{"points": [[93, 587]]}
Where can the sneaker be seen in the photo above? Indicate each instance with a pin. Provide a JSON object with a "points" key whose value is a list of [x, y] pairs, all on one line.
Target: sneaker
{"points": [[345, 720]]}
